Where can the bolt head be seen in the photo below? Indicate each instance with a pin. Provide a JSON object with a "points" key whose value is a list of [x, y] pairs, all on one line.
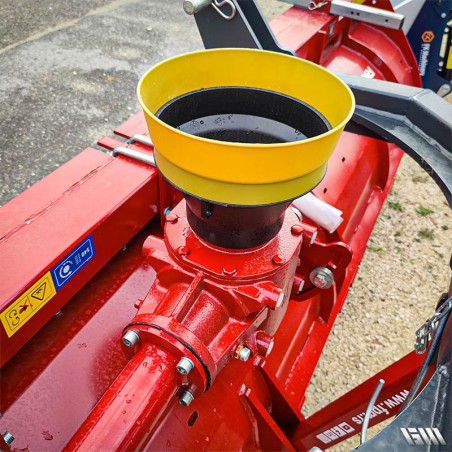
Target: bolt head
{"points": [[242, 353], [229, 270], [185, 366], [186, 398], [278, 259], [322, 277], [130, 338], [296, 229]]}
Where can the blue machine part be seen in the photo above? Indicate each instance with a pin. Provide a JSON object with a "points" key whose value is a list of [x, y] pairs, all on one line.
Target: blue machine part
{"points": [[430, 38]]}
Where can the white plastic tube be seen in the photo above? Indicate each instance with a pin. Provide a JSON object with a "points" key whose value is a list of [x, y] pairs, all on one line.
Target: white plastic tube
{"points": [[319, 211]]}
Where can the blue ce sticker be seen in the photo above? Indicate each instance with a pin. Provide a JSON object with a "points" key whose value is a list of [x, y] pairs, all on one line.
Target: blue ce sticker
{"points": [[73, 262]]}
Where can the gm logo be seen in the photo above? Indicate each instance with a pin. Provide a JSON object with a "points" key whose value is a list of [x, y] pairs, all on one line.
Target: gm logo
{"points": [[423, 436]]}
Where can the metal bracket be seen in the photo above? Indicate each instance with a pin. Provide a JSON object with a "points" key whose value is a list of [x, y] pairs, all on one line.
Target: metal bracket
{"points": [[368, 14], [362, 13], [415, 119], [247, 28]]}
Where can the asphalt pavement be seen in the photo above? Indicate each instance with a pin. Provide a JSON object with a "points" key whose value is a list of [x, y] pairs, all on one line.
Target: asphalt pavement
{"points": [[68, 75]]}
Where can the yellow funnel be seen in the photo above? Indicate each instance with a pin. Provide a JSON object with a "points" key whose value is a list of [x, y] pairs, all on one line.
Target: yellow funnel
{"points": [[243, 173]]}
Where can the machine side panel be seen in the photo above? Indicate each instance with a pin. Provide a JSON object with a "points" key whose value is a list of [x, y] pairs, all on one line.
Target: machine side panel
{"points": [[50, 250]]}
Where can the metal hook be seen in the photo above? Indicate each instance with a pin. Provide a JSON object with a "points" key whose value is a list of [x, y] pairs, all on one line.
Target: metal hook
{"points": [[218, 4], [313, 5]]}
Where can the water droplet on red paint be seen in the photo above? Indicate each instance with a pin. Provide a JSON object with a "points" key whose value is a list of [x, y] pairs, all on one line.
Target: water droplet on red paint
{"points": [[145, 364], [128, 401], [124, 412]]}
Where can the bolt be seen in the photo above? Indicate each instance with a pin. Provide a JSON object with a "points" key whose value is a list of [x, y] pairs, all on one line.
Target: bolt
{"points": [[183, 250], [185, 366], [8, 438], [322, 277], [194, 6], [229, 270], [296, 229], [172, 218], [130, 338], [278, 259], [59, 313], [242, 353], [186, 398]]}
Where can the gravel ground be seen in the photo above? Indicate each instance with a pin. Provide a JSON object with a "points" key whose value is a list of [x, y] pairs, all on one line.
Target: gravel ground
{"points": [[402, 275]]}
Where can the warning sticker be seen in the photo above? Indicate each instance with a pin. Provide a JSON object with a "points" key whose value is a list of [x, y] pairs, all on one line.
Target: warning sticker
{"points": [[28, 304]]}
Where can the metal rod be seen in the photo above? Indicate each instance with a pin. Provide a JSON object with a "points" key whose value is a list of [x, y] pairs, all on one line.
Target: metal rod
{"points": [[373, 399], [142, 139], [131, 408], [137, 155]]}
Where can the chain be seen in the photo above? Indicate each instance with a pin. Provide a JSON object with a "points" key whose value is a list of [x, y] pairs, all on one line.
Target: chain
{"points": [[425, 332]]}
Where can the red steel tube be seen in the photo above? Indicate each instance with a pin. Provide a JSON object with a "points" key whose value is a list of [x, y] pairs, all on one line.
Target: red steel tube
{"points": [[127, 413]]}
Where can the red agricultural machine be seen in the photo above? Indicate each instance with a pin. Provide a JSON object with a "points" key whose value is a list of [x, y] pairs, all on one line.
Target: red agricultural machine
{"points": [[185, 307]]}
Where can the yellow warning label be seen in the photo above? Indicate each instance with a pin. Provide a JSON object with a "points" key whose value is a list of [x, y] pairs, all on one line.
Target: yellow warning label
{"points": [[17, 314]]}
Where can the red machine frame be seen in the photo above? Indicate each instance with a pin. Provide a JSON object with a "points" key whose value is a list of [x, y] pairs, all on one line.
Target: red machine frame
{"points": [[61, 363]]}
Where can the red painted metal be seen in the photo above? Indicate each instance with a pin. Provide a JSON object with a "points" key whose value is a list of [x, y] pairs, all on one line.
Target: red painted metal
{"points": [[343, 418], [186, 297], [127, 415], [91, 194], [199, 309]]}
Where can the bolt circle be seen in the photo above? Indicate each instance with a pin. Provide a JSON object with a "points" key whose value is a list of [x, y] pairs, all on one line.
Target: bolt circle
{"points": [[172, 218], [229, 270], [296, 229], [130, 338], [185, 366], [278, 259], [186, 398], [183, 250]]}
